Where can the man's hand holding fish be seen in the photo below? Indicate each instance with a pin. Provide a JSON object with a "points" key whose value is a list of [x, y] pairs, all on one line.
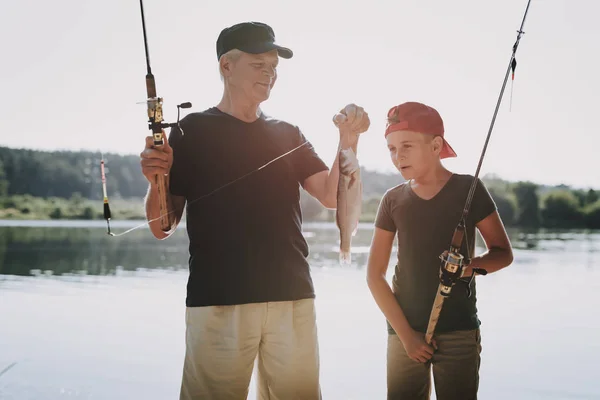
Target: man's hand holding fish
{"points": [[351, 121]]}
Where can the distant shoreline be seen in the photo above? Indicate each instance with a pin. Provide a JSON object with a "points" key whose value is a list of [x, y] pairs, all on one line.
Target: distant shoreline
{"points": [[126, 224], [39, 185]]}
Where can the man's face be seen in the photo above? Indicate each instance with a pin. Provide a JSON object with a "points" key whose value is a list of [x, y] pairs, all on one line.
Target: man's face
{"points": [[254, 74], [413, 153]]}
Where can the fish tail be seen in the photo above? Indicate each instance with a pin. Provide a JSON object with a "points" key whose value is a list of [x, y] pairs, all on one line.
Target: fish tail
{"points": [[345, 258]]}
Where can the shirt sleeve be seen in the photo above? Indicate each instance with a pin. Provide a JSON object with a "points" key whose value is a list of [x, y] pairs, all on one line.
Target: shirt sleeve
{"points": [[384, 219], [483, 204], [306, 160], [177, 184]]}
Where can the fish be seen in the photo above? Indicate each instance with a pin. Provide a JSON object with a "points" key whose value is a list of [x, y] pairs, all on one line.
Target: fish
{"points": [[349, 202]]}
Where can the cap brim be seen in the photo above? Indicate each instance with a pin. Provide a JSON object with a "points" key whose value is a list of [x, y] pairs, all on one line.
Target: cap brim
{"points": [[258, 48], [447, 150]]}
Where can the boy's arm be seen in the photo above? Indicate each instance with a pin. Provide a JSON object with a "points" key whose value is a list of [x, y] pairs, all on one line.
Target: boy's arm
{"points": [[379, 256], [499, 254]]}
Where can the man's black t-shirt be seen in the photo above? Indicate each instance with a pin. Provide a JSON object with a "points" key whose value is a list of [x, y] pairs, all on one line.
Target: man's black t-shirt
{"points": [[246, 242]]}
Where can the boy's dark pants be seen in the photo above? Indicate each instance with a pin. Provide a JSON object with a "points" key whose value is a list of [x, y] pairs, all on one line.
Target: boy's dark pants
{"points": [[455, 368]]}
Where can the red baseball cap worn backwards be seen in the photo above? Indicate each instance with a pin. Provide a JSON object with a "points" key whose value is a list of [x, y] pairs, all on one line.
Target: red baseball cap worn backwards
{"points": [[418, 117]]}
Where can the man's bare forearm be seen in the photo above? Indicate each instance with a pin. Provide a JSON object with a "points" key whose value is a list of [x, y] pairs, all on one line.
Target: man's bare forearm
{"points": [[331, 184], [152, 206]]}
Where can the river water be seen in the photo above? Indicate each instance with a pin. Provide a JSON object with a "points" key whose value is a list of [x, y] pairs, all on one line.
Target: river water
{"points": [[88, 316]]}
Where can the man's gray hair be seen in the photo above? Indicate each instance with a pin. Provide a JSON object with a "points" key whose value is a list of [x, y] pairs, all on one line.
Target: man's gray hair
{"points": [[233, 55]]}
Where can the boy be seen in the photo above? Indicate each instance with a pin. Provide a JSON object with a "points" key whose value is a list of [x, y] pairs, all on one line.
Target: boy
{"points": [[424, 211]]}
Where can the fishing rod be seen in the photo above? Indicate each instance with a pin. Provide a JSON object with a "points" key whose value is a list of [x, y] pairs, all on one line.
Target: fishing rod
{"points": [[156, 124], [189, 203], [107, 214], [453, 262]]}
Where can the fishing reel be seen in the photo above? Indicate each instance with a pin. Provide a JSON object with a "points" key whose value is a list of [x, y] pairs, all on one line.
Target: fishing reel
{"points": [[155, 114], [452, 270]]}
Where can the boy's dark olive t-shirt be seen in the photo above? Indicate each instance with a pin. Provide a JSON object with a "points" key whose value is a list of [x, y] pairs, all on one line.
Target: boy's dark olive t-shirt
{"points": [[424, 231]]}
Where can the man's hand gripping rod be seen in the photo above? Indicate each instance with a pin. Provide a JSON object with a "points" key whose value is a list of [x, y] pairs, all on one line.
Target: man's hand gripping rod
{"points": [[156, 124]]}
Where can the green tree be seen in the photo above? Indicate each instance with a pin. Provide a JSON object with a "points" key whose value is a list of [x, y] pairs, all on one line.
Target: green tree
{"points": [[591, 197], [3, 181], [579, 195], [57, 213], [592, 215], [88, 213], [62, 173], [528, 208], [506, 205], [561, 210]]}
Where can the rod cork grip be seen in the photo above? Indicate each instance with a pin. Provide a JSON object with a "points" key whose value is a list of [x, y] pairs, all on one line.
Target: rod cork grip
{"points": [[161, 181], [150, 86], [434, 316]]}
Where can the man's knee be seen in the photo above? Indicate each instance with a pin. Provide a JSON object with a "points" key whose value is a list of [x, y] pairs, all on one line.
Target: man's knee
{"points": [[288, 364], [221, 346]]}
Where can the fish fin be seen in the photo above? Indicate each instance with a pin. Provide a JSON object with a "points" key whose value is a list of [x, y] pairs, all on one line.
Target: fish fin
{"points": [[345, 258], [353, 181], [355, 229]]}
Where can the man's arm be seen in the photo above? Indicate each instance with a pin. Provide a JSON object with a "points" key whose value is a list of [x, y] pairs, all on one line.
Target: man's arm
{"points": [[351, 122], [159, 161], [323, 185], [175, 205]]}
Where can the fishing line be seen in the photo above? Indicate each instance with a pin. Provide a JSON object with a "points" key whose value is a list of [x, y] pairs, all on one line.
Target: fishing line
{"points": [[206, 195], [453, 262], [5, 370]]}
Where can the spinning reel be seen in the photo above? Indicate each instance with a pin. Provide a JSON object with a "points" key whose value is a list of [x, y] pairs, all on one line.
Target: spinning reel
{"points": [[452, 270]]}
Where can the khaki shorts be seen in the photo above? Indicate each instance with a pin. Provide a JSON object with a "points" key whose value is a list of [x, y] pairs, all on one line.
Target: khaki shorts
{"points": [[223, 343], [455, 366]]}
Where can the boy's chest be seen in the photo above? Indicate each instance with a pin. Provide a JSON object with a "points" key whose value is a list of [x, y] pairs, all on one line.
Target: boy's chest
{"points": [[423, 223], [427, 193]]}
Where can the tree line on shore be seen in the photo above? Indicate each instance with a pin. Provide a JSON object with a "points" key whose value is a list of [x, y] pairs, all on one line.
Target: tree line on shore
{"points": [[67, 185]]}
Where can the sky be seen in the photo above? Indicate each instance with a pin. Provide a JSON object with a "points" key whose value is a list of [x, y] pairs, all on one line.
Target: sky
{"points": [[72, 74]]}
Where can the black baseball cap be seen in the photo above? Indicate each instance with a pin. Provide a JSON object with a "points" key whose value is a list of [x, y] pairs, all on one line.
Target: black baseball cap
{"points": [[250, 37]]}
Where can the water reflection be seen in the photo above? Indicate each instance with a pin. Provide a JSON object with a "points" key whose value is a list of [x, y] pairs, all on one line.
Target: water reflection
{"points": [[556, 240], [65, 250], [71, 250]]}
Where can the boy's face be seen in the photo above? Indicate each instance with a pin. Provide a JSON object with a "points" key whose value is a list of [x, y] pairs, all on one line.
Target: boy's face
{"points": [[413, 153]]}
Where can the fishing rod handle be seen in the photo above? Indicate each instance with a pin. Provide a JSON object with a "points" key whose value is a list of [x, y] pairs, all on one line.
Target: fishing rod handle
{"points": [[162, 186], [435, 315]]}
